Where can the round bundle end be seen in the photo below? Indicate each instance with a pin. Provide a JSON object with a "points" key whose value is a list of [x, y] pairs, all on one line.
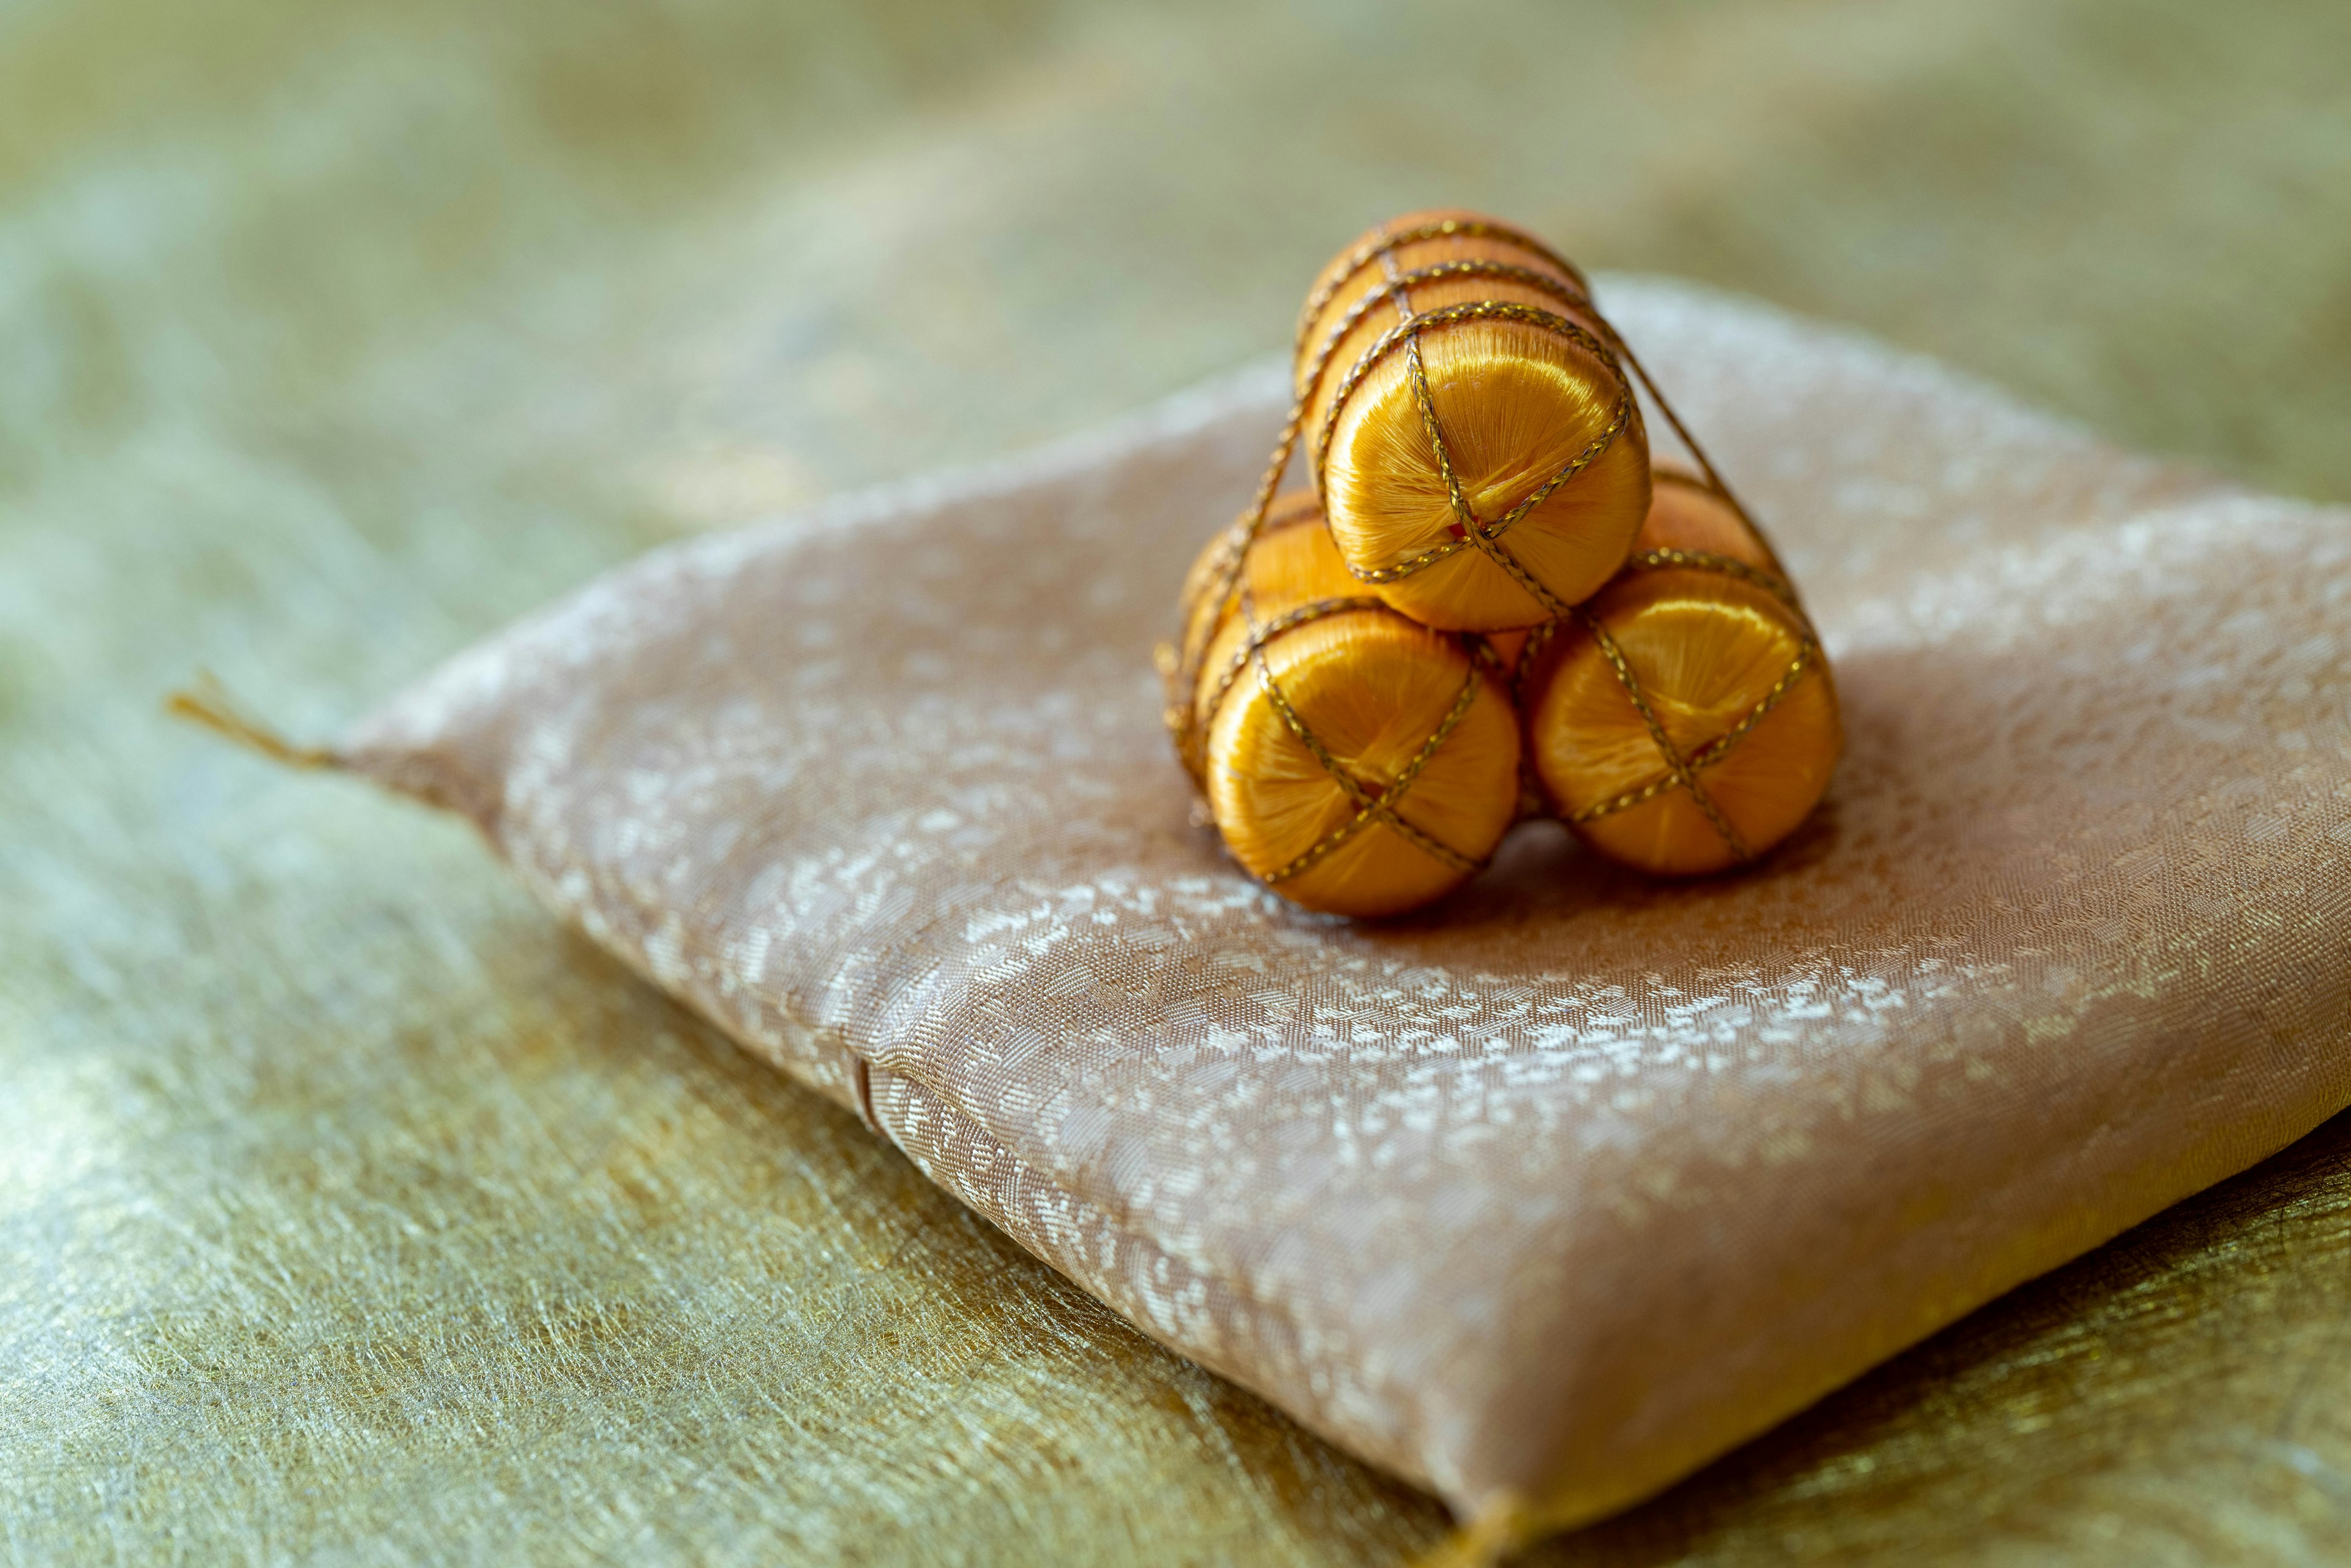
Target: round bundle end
{"points": [[1357, 763], [1516, 407], [1402, 781], [1475, 439], [1684, 720]]}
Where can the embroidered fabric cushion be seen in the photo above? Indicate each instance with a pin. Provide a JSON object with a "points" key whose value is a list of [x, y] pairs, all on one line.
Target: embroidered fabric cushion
{"points": [[1545, 1196]]}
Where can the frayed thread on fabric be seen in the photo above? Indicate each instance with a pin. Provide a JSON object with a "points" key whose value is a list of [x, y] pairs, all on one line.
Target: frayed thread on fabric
{"points": [[207, 702]]}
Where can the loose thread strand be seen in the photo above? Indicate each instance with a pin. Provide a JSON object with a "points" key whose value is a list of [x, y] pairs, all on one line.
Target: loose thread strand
{"points": [[1714, 480], [207, 702]]}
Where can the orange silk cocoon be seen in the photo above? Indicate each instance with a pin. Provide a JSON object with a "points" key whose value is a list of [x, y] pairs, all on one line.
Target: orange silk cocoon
{"points": [[1729, 672], [1506, 406], [1422, 730]]}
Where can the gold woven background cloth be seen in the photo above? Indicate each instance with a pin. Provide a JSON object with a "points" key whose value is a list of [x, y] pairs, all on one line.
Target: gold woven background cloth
{"points": [[350, 1208]]}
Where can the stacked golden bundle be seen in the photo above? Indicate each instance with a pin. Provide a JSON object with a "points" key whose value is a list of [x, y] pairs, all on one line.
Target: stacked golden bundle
{"points": [[1489, 605]]}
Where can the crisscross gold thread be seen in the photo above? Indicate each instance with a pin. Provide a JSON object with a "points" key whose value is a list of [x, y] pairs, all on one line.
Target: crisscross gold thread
{"points": [[1374, 298], [1183, 670], [1371, 805], [1482, 311], [1617, 353], [1180, 667], [1682, 771], [1184, 716], [1473, 532], [1471, 529], [1676, 763], [1289, 621], [1714, 750], [1398, 282]]}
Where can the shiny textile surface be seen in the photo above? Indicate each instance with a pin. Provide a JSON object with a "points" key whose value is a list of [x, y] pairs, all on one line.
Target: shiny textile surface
{"points": [[352, 1209], [1560, 1188]]}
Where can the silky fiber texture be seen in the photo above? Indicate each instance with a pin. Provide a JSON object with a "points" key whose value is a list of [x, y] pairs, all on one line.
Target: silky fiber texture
{"points": [[1543, 1195], [1302, 667], [1512, 362], [1703, 627]]}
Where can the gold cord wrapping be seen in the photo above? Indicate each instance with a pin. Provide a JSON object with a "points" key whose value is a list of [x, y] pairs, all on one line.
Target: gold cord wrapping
{"points": [[1468, 528], [1706, 756], [1391, 239], [1681, 771], [1471, 531], [1708, 561], [1184, 672], [1467, 523], [1305, 614], [1382, 249], [1676, 763], [1372, 803], [1714, 482], [1189, 713], [1181, 667]]}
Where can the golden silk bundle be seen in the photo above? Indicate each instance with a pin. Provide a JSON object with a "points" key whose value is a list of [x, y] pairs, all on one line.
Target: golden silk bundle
{"points": [[1302, 671], [1472, 430], [1484, 507], [1683, 720]]}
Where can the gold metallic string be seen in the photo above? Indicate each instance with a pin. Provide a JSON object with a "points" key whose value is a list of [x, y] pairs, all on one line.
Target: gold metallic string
{"points": [[1466, 522], [1372, 803], [1714, 750], [1389, 240], [1578, 296], [1537, 641], [1408, 334], [1677, 764], [1374, 298], [1777, 587], [1468, 528], [1183, 671], [1181, 667], [1682, 771], [1714, 481], [1187, 720], [1289, 621]]}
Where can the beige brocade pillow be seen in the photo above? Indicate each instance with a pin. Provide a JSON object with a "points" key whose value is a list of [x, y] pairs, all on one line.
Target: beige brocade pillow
{"points": [[1549, 1194]]}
